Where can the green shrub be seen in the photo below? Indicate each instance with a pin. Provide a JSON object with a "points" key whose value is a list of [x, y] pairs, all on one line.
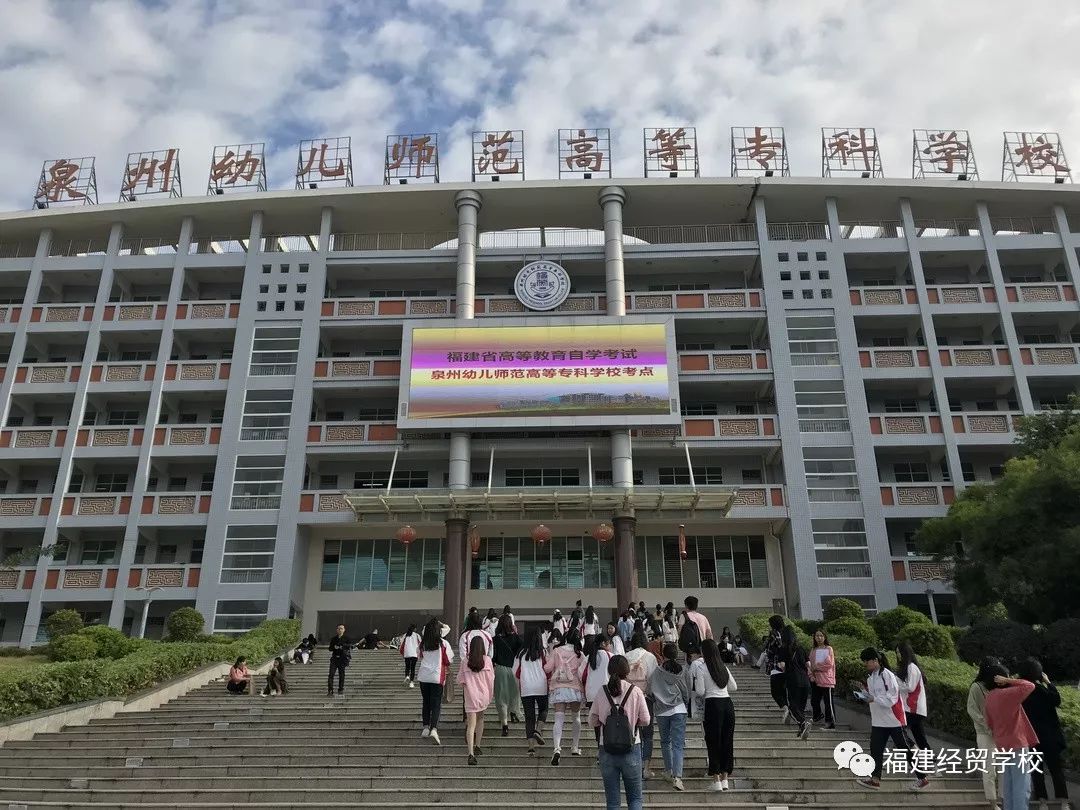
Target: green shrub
{"points": [[888, 623], [111, 643], [1008, 640], [928, 639], [63, 623], [1061, 649], [858, 629], [841, 608], [73, 647], [809, 626], [184, 624], [994, 612]]}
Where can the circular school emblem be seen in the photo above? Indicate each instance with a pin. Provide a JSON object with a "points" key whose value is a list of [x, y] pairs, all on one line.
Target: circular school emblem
{"points": [[542, 285]]}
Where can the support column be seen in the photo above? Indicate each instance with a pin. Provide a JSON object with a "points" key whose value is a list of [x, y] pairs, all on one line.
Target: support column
{"points": [[625, 574], [457, 527], [612, 199]]}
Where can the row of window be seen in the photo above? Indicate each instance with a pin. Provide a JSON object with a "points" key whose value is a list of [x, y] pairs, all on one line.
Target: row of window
{"points": [[107, 552]]}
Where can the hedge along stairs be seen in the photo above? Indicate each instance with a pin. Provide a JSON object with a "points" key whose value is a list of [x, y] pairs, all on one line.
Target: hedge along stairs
{"points": [[211, 749]]}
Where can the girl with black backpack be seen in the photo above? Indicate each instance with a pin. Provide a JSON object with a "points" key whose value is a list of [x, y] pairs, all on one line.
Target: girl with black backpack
{"points": [[619, 711]]}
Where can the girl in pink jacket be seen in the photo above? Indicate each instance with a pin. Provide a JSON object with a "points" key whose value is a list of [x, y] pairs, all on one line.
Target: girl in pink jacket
{"points": [[565, 668], [822, 679], [477, 678]]}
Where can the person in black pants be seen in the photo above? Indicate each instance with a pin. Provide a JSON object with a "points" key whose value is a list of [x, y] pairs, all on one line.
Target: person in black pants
{"points": [[1041, 708], [340, 656], [797, 679], [777, 680]]}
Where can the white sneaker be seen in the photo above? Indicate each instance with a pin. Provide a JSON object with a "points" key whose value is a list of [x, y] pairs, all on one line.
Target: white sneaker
{"points": [[575, 752], [725, 784], [786, 716], [435, 737], [412, 684], [716, 787], [676, 783], [407, 681], [425, 732]]}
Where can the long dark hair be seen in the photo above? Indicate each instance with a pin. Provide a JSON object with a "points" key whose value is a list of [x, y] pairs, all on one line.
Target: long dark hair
{"points": [[411, 630], [988, 669], [710, 652], [671, 658], [594, 645], [590, 615], [472, 622], [821, 630], [1030, 669], [618, 670], [573, 638], [432, 638], [533, 650], [491, 613], [477, 654], [905, 657], [505, 627], [638, 639], [872, 654], [239, 661]]}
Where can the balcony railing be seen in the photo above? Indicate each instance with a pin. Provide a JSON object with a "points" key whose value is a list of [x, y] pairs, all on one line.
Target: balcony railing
{"points": [[883, 296], [952, 294], [725, 361], [728, 427], [187, 435], [351, 432], [39, 373], [37, 438], [357, 368], [78, 247], [689, 234], [94, 505], [758, 496], [969, 356], [1045, 292], [420, 240], [198, 370], [1062, 354], [136, 311], [314, 501], [122, 372], [109, 437], [905, 424], [1021, 225], [290, 243], [62, 313], [220, 244], [985, 422], [930, 228], [894, 357], [872, 229], [921, 569], [918, 494], [798, 231], [148, 246], [29, 505], [164, 575], [208, 310], [176, 503], [10, 313], [18, 250]]}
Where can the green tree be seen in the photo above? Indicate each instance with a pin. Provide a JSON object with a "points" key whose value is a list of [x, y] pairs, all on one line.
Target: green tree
{"points": [[1042, 431], [1017, 541], [184, 624], [63, 623]]}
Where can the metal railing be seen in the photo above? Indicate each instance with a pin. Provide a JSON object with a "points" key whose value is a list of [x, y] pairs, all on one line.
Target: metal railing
{"points": [[17, 250], [929, 228], [79, 247], [874, 229], [219, 244], [147, 246], [691, 234], [798, 231], [1021, 225], [420, 240], [290, 243]]}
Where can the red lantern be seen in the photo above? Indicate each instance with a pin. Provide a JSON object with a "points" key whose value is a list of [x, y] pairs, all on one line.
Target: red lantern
{"points": [[603, 533], [682, 541], [406, 534], [540, 534], [474, 540]]}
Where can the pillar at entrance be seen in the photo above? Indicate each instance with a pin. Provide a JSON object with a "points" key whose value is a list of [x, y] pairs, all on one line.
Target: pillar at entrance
{"points": [[625, 564], [454, 598]]}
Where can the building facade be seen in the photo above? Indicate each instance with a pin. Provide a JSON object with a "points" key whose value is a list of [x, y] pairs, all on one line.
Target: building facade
{"points": [[201, 396]]}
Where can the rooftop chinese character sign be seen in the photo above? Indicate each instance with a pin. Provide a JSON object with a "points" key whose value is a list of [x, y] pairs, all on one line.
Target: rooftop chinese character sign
{"points": [[758, 152], [324, 162], [237, 167], [151, 173], [563, 373], [1034, 156], [850, 151], [412, 158], [671, 152], [67, 181], [943, 153], [499, 154], [584, 153]]}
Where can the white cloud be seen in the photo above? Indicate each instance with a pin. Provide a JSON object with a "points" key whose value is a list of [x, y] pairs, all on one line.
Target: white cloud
{"points": [[112, 77]]}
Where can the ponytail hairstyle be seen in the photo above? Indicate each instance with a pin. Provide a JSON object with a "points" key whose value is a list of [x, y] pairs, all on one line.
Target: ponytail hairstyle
{"points": [[411, 630], [671, 659], [638, 639], [432, 639], [473, 621], [594, 645], [505, 627], [618, 670], [477, 654], [905, 657], [573, 638], [533, 650], [590, 615], [871, 654], [710, 652], [988, 668]]}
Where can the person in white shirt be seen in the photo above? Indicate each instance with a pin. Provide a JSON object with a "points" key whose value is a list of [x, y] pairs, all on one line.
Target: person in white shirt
{"points": [[533, 683], [559, 623], [714, 683], [473, 630], [410, 651], [590, 625], [433, 670], [912, 692], [506, 612], [615, 641], [491, 621]]}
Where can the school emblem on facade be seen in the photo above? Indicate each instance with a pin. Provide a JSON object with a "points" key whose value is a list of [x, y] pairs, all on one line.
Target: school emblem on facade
{"points": [[542, 285]]}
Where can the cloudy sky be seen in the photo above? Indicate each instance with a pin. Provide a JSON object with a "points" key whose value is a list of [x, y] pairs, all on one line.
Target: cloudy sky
{"points": [[108, 77]]}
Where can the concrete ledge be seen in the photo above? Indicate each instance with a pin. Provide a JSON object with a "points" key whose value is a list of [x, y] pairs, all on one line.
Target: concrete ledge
{"points": [[81, 714]]}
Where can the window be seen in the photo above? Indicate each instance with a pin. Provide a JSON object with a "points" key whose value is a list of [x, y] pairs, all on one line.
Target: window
{"points": [[385, 565], [282, 288], [264, 289], [177, 483], [301, 288], [260, 306], [328, 481], [695, 346], [298, 306], [166, 554], [890, 340], [823, 275], [785, 275], [14, 421], [711, 562], [197, 551], [699, 409], [901, 406], [216, 416], [136, 356], [745, 409], [188, 418], [335, 416], [967, 470], [111, 482], [826, 293], [680, 476], [266, 269], [303, 268], [907, 472], [812, 340], [1038, 337], [543, 477], [403, 479], [787, 295], [821, 406], [802, 256], [206, 483], [279, 306], [695, 285], [267, 415], [117, 418], [804, 275], [840, 548], [257, 482], [75, 483], [238, 616], [943, 468], [751, 476], [830, 474], [274, 350], [28, 485], [821, 256], [249, 554], [807, 295], [43, 421], [781, 257], [403, 293], [98, 552], [604, 478]]}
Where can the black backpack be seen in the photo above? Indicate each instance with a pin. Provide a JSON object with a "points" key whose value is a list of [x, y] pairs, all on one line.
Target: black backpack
{"points": [[690, 637], [618, 733]]}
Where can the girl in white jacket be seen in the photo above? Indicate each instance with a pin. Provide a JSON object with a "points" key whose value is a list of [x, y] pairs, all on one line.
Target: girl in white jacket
{"points": [[410, 651], [714, 683], [533, 683], [435, 657], [913, 692]]}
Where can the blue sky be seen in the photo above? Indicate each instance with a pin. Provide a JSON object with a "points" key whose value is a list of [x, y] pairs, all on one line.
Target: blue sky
{"points": [[108, 77]]}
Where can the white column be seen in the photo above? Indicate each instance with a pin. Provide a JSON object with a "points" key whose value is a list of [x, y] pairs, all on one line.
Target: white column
{"points": [[622, 460], [460, 461], [612, 199], [468, 204]]}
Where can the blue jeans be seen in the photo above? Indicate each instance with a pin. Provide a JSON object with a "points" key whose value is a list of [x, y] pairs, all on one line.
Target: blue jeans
{"points": [[628, 768], [1015, 783], [672, 737]]}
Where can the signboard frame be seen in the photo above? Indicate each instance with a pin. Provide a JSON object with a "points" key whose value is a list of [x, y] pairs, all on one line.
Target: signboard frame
{"points": [[406, 422]]}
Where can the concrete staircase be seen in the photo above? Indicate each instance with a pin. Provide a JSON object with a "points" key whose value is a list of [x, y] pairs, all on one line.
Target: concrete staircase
{"points": [[211, 749]]}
